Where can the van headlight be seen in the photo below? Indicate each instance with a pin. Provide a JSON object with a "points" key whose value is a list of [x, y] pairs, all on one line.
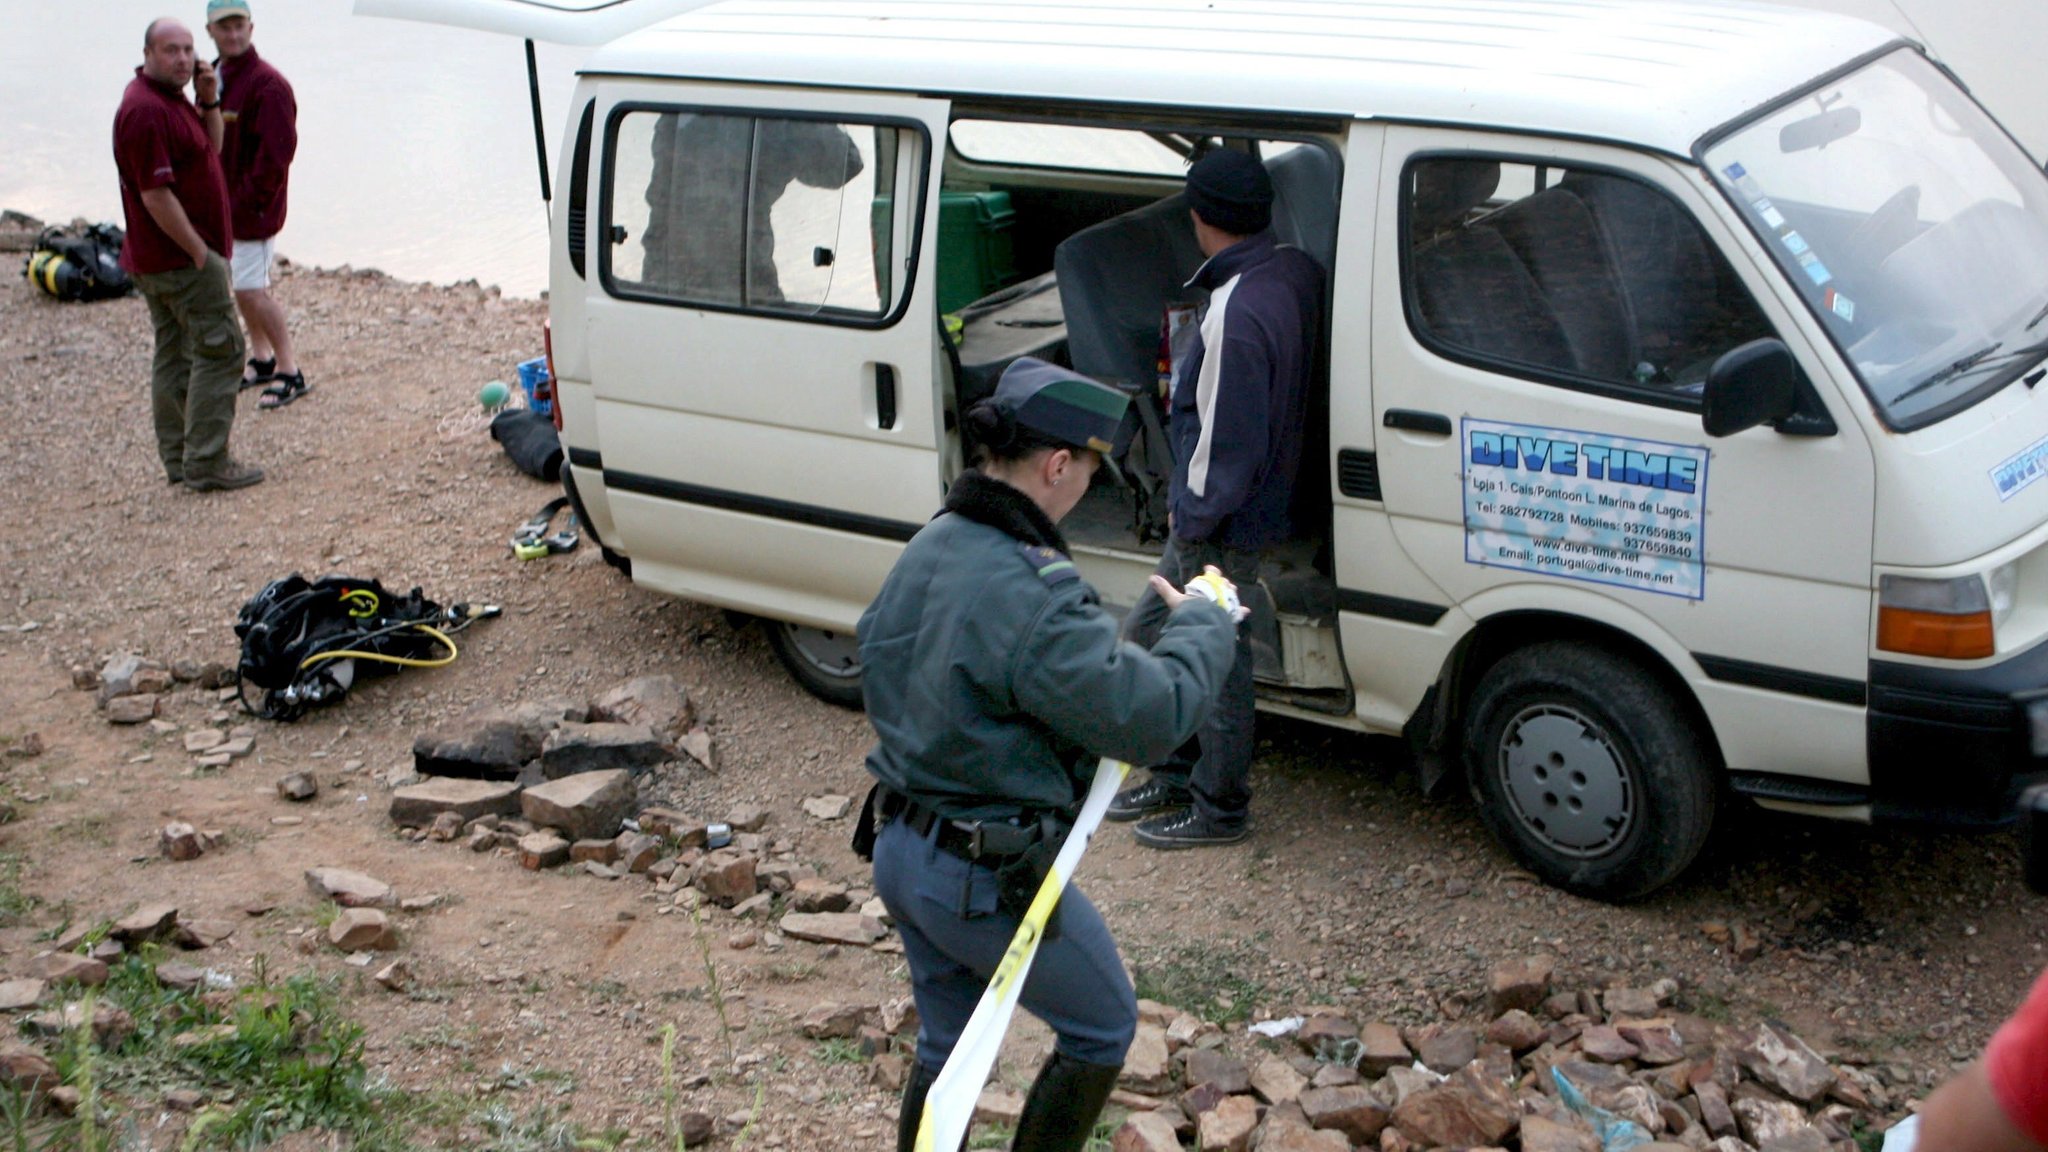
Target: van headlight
{"points": [[1948, 619]]}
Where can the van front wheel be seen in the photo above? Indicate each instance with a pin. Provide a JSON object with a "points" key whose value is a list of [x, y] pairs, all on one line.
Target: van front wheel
{"points": [[827, 664], [1589, 770]]}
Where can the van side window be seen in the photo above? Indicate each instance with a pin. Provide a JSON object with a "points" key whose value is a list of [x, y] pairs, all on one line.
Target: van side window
{"points": [[782, 215], [1578, 277]]}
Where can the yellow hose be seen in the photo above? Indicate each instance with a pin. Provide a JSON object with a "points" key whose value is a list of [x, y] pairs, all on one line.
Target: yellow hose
{"points": [[406, 661]]}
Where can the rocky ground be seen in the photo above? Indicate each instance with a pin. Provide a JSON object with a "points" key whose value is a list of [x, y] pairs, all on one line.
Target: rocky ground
{"points": [[548, 991]]}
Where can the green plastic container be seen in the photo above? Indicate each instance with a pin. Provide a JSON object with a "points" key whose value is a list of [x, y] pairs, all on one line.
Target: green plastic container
{"points": [[975, 252]]}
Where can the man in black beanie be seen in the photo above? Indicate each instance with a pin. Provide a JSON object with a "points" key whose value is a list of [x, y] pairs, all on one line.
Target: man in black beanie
{"points": [[1239, 399]]}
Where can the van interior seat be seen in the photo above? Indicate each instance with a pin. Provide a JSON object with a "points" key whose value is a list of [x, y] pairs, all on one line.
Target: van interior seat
{"points": [[1597, 275], [1115, 280], [1305, 201], [1553, 235], [1670, 283]]}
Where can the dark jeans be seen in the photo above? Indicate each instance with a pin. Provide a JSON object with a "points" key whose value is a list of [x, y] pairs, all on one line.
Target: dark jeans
{"points": [[954, 936], [198, 366], [1216, 764]]}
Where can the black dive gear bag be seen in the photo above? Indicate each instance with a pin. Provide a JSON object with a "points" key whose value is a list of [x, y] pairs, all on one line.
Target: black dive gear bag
{"points": [[79, 265], [305, 641]]}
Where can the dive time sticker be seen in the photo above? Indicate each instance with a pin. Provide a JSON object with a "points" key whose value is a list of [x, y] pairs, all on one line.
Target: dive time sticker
{"points": [[1586, 506]]}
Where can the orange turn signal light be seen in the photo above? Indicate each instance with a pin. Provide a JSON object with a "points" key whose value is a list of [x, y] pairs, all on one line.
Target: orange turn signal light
{"points": [[1949, 637]]}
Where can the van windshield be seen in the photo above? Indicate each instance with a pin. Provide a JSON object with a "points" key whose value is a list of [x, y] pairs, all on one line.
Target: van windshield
{"points": [[1911, 224]]}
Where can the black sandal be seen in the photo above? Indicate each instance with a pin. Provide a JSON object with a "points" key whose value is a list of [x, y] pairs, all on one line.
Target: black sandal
{"points": [[289, 387], [266, 371]]}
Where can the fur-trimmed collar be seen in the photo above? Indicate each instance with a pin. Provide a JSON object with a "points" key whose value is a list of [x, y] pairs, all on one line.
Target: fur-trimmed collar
{"points": [[987, 500]]}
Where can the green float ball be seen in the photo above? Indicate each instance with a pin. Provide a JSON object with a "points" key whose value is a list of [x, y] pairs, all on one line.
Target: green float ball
{"points": [[494, 394]]}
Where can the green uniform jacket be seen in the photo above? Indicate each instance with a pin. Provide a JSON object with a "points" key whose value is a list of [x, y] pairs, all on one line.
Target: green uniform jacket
{"points": [[995, 679]]}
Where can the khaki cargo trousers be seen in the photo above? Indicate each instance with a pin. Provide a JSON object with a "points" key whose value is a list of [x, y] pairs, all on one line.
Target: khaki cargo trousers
{"points": [[198, 368]]}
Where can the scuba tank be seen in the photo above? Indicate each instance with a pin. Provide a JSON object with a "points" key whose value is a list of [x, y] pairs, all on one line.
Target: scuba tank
{"points": [[79, 266]]}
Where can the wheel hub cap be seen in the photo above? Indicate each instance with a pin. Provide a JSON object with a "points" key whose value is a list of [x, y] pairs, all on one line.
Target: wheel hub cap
{"points": [[833, 653], [1566, 780]]}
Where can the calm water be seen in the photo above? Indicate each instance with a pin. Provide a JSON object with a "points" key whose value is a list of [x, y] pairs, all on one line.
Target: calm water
{"points": [[415, 141]]}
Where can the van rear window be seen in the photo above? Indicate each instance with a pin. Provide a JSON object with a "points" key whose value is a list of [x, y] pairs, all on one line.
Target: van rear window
{"points": [[1066, 146], [786, 215]]}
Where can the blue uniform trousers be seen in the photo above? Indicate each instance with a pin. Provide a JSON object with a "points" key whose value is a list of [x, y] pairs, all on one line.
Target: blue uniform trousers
{"points": [[954, 936], [1216, 764]]}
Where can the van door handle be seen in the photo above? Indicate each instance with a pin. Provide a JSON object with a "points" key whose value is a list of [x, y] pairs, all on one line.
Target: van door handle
{"points": [[885, 396], [1410, 420]]}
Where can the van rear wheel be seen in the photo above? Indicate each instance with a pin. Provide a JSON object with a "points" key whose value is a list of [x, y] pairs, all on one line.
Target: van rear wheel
{"points": [[827, 664], [1589, 770]]}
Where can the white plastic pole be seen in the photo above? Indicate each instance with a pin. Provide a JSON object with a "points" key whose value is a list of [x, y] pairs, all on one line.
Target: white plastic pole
{"points": [[949, 1107]]}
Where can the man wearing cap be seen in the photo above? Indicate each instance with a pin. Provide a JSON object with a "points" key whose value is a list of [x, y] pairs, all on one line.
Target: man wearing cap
{"points": [[174, 197], [260, 134], [1236, 420], [995, 681]]}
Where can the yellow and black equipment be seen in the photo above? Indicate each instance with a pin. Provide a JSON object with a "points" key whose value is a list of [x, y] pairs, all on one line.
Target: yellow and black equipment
{"points": [[79, 265], [304, 641]]}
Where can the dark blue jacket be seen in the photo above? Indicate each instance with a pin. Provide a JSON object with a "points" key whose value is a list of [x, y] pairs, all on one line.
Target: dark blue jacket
{"points": [[1240, 395]]}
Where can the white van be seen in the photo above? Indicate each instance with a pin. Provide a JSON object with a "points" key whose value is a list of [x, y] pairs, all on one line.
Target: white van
{"points": [[1681, 432]]}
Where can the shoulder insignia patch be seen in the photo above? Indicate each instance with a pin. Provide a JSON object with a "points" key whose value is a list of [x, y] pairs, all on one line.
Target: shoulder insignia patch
{"points": [[1051, 564]]}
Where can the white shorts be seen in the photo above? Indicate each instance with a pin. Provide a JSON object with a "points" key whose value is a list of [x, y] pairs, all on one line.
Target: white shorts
{"points": [[251, 263]]}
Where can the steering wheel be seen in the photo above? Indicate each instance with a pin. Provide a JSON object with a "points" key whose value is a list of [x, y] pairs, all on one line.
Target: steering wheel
{"points": [[1884, 230]]}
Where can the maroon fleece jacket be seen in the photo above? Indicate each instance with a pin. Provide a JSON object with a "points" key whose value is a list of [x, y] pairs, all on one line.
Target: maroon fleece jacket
{"points": [[261, 119]]}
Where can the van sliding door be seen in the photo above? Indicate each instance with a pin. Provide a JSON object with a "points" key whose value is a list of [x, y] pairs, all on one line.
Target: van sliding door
{"points": [[765, 390]]}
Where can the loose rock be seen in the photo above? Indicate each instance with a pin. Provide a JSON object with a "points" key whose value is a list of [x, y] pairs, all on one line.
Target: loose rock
{"points": [[360, 929], [298, 787], [347, 887], [131, 709], [575, 749], [180, 841], [416, 805], [538, 850], [588, 806], [833, 1020], [1521, 983], [833, 928]]}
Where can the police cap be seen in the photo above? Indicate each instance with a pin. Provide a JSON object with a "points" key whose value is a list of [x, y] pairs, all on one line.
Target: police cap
{"points": [[1061, 404]]}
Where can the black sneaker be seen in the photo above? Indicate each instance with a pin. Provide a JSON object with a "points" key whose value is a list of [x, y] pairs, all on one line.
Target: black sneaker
{"points": [[1153, 795], [1187, 829]]}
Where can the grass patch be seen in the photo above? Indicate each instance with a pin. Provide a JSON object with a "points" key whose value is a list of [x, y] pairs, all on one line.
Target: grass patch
{"points": [[838, 1051], [541, 1128], [277, 1057], [1206, 981], [793, 971], [14, 902]]}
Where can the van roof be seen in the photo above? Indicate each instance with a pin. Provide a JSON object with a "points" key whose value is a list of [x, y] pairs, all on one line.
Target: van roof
{"points": [[1652, 73]]}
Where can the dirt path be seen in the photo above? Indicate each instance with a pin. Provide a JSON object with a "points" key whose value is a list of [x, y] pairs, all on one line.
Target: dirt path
{"points": [[554, 988]]}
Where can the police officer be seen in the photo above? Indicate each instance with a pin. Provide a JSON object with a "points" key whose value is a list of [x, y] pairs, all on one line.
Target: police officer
{"points": [[995, 680]]}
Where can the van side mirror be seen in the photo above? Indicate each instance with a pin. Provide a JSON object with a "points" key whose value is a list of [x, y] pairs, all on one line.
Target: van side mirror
{"points": [[1755, 383]]}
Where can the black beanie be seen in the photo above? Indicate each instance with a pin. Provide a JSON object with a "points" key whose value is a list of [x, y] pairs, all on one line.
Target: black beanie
{"points": [[1231, 191]]}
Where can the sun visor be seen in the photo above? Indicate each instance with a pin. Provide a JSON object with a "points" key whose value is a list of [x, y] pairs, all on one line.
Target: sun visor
{"points": [[585, 23]]}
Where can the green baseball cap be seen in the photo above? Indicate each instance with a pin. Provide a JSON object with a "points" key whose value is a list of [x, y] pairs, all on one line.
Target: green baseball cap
{"points": [[215, 9], [1064, 405]]}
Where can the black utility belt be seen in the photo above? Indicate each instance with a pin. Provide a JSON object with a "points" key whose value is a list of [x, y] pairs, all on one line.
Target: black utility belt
{"points": [[973, 840]]}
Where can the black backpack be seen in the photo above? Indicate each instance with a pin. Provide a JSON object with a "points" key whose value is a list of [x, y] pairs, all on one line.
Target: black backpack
{"points": [[305, 641], [79, 265]]}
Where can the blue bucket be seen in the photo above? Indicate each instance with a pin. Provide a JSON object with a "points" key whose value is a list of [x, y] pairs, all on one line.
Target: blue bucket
{"points": [[535, 382]]}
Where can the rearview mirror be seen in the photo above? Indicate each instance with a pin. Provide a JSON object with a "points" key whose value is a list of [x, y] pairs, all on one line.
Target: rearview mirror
{"points": [[1749, 385], [1819, 130]]}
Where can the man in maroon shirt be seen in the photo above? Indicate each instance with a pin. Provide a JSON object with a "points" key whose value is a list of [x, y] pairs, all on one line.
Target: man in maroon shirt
{"points": [[175, 198], [260, 119]]}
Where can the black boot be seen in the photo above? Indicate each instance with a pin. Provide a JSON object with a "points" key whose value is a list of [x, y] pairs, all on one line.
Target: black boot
{"points": [[1064, 1104], [915, 1089]]}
